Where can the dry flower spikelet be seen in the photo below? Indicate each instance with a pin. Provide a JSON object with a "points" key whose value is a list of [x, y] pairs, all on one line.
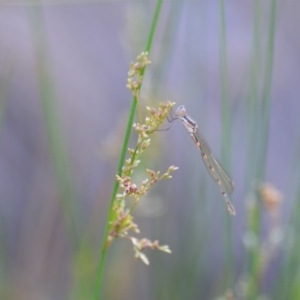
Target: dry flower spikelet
{"points": [[121, 219]]}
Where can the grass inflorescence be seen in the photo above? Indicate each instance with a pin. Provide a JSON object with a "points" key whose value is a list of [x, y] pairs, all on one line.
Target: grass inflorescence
{"points": [[121, 220]]}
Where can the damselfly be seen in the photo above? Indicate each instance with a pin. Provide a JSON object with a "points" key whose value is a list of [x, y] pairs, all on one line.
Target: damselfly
{"points": [[212, 165]]}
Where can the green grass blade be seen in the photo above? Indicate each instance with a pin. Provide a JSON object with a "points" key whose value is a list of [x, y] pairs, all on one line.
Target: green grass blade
{"points": [[266, 100], [254, 256], [54, 129], [226, 141], [100, 269]]}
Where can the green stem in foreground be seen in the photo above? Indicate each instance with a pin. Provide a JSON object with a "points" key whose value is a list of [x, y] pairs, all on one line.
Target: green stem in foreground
{"points": [[99, 275], [103, 252]]}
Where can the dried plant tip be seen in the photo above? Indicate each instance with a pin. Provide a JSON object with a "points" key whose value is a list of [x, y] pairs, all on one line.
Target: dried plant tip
{"points": [[152, 110], [122, 224], [121, 219], [165, 248], [137, 66], [229, 295], [155, 118], [142, 257], [172, 169], [140, 245], [135, 73], [119, 197], [131, 151], [150, 172], [131, 189], [145, 181], [145, 144], [270, 196]]}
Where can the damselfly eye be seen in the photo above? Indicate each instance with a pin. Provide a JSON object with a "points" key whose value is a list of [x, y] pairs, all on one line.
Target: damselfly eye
{"points": [[180, 111]]}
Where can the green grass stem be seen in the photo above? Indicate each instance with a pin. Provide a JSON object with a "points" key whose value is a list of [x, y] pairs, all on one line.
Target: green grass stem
{"points": [[287, 281], [255, 226], [252, 151], [266, 99], [103, 252], [253, 99], [226, 140], [54, 128]]}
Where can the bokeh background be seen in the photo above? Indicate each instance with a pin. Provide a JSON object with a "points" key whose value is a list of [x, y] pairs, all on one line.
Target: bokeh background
{"points": [[63, 112]]}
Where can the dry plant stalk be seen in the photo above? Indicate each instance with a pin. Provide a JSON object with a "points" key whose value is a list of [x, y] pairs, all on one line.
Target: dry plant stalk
{"points": [[121, 223]]}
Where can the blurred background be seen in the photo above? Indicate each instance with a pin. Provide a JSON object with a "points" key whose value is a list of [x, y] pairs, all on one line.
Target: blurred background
{"points": [[63, 111]]}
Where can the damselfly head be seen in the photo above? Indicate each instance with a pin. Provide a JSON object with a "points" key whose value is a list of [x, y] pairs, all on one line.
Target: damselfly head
{"points": [[180, 111]]}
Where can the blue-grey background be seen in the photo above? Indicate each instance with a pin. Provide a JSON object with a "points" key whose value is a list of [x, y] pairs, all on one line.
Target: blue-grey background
{"points": [[84, 50]]}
